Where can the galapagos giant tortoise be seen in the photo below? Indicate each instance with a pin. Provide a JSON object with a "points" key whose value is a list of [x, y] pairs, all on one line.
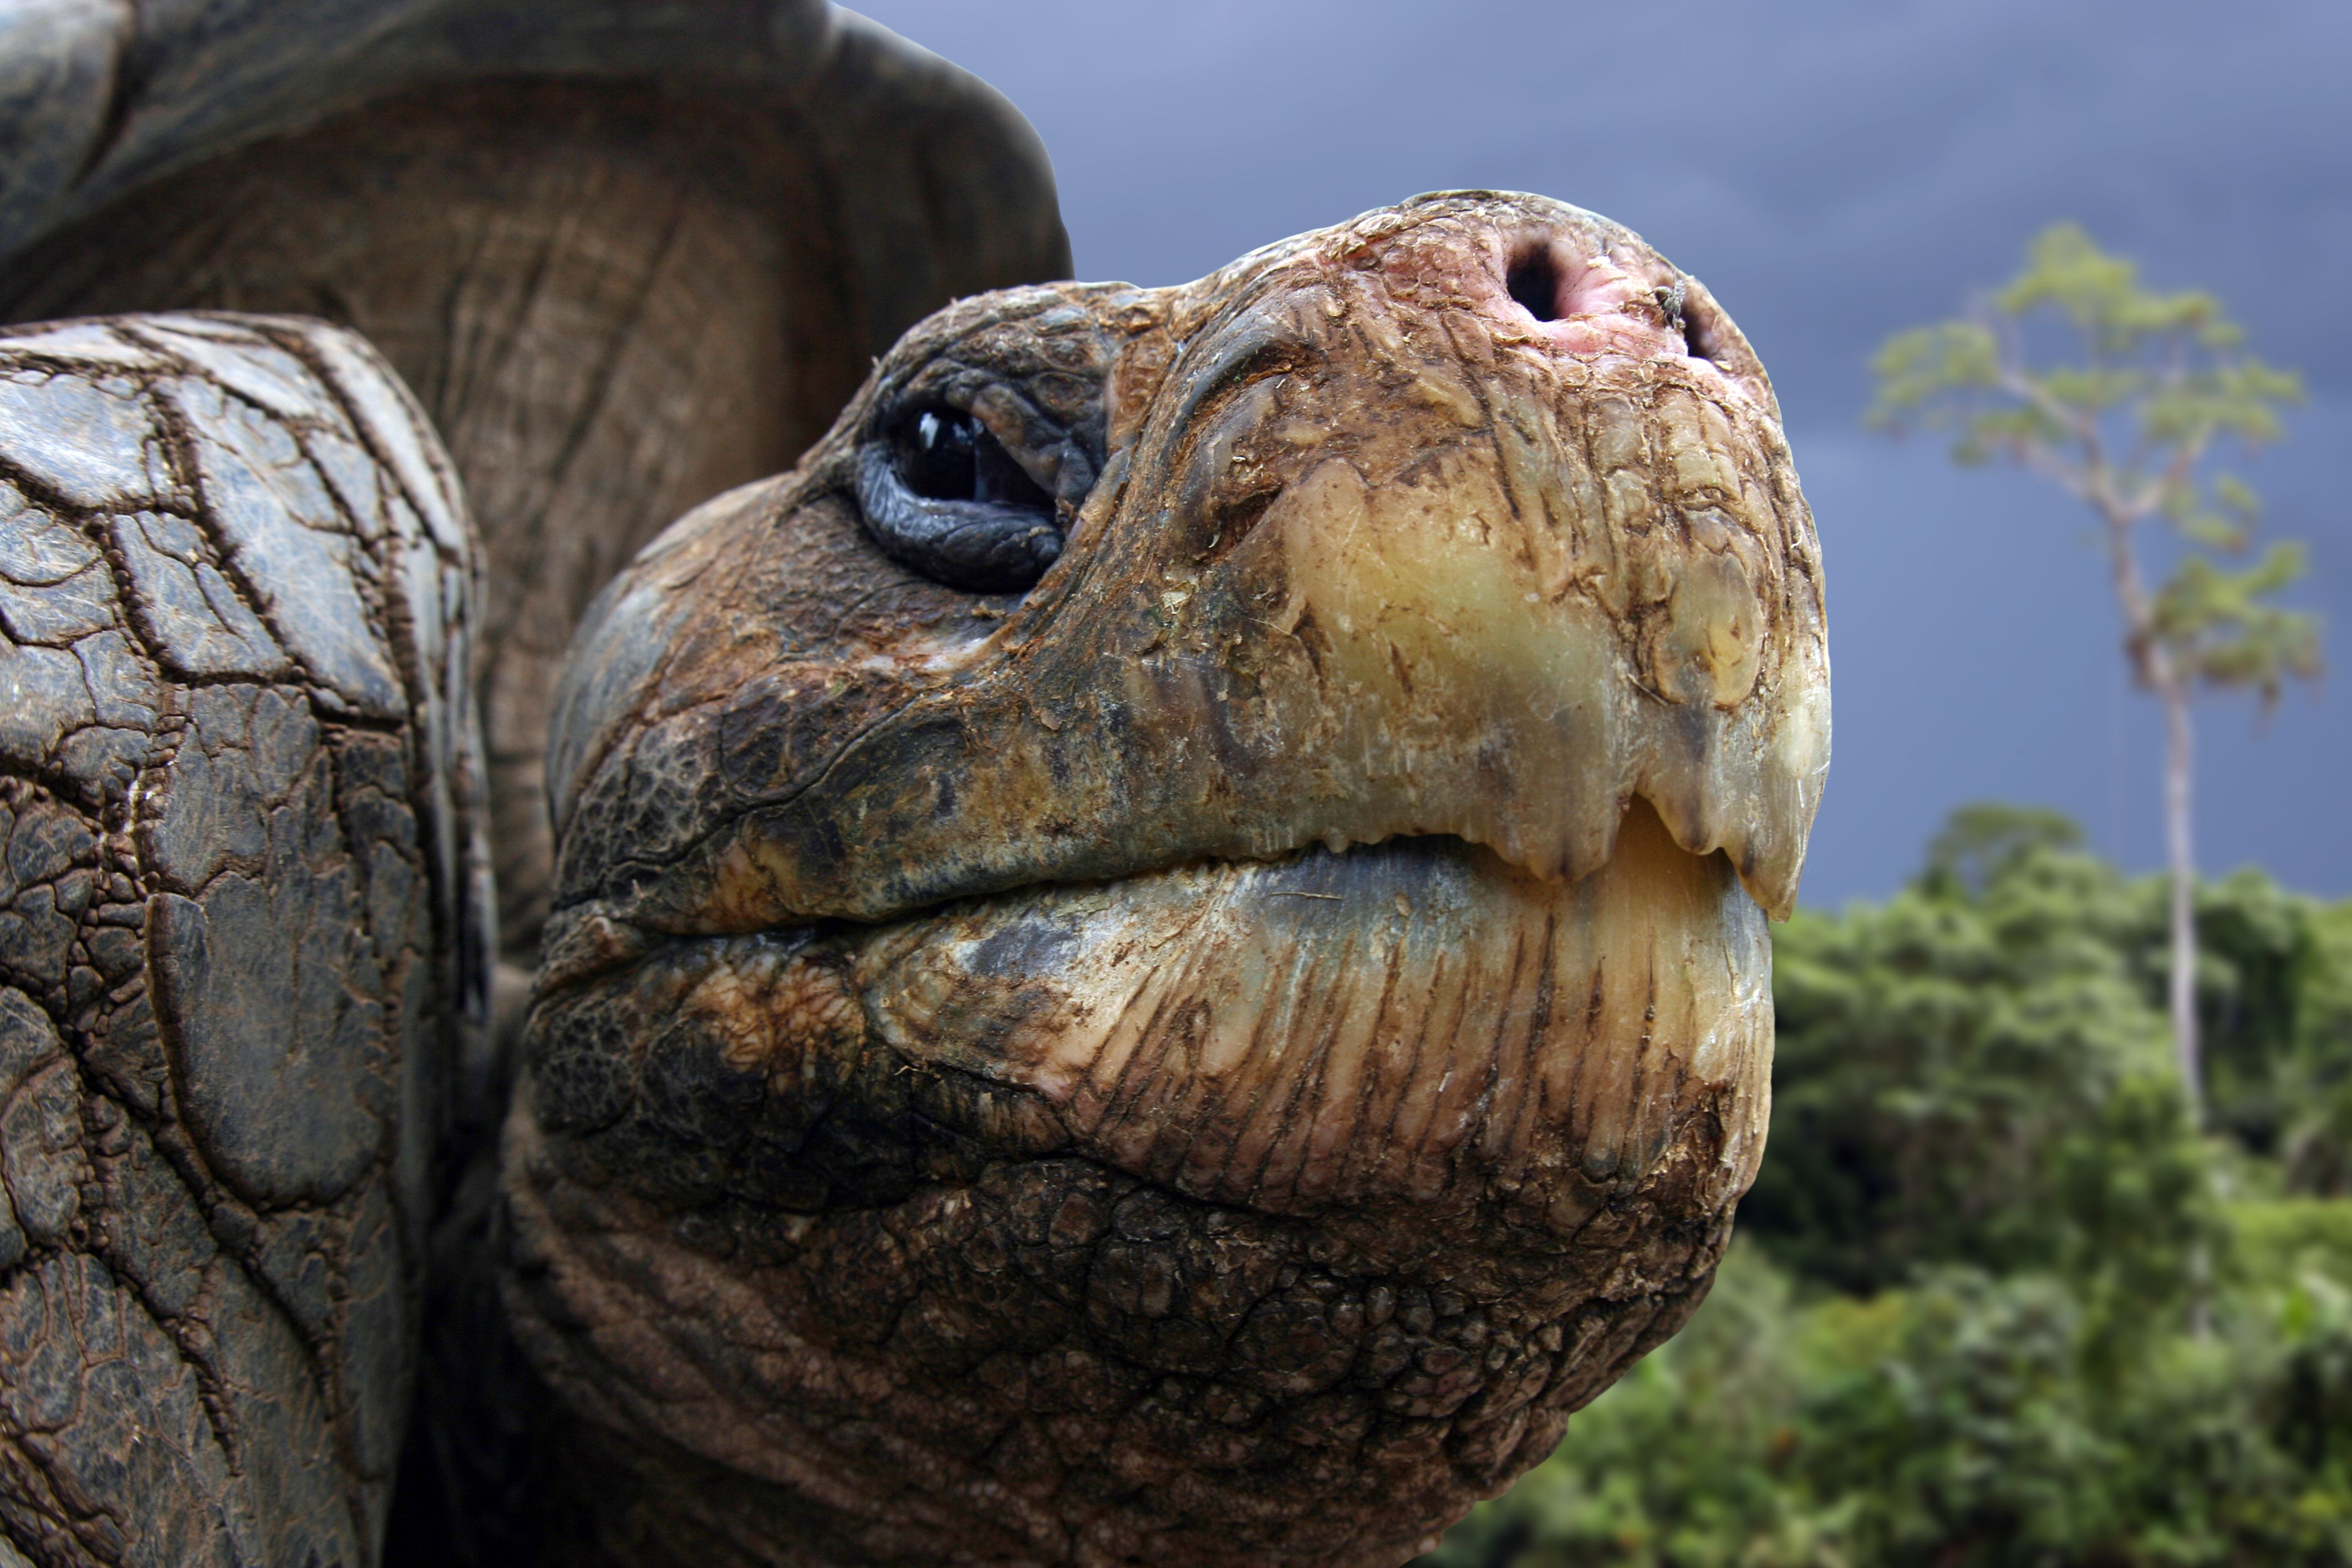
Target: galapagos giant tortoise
{"points": [[1157, 955]]}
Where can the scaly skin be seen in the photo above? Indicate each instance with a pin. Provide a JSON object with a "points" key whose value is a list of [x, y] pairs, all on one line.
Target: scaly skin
{"points": [[243, 937], [1212, 1058]]}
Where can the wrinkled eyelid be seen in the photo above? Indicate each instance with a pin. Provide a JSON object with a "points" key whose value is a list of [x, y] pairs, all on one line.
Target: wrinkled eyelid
{"points": [[983, 527]]}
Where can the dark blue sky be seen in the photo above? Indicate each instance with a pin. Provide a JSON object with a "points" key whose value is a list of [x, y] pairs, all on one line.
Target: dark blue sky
{"points": [[1834, 170]]}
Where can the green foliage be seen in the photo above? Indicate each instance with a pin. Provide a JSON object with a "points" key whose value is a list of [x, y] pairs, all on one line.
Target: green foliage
{"points": [[1956, 1328], [2274, 986], [1949, 1423], [1989, 840], [2121, 395], [2215, 622], [1974, 1073], [2319, 1142]]}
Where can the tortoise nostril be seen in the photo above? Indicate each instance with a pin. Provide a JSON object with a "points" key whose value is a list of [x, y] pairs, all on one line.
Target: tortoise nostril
{"points": [[1534, 282], [1697, 339]]}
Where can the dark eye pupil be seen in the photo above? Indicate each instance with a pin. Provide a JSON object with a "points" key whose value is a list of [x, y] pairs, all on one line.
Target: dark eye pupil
{"points": [[937, 457], [945, 454]]}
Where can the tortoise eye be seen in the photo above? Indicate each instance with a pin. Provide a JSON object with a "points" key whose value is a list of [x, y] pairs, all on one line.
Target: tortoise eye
{"points": [[943, 497], [944, 454]]}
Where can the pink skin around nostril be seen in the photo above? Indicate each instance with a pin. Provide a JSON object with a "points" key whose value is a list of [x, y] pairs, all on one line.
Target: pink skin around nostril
{"points": [[1596, 306], [1599, 306]]}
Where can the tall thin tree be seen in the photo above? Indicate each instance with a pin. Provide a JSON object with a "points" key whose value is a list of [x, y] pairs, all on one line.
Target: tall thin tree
{"points": [[2127, 398]]}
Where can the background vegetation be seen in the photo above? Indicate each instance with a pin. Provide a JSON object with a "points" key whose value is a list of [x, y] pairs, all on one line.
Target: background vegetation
{"points": [[1994, 1301]]}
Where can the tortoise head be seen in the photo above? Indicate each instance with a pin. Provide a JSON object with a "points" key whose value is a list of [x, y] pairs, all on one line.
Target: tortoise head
{"points": [[1159, 955]]}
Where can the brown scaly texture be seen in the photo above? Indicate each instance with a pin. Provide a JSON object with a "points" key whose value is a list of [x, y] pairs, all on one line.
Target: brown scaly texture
{"points": [[1211, 1058], [244, 933]]}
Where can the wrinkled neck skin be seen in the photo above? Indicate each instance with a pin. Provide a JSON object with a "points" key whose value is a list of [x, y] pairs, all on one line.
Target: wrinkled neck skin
{"points": [[1214, 1058]]}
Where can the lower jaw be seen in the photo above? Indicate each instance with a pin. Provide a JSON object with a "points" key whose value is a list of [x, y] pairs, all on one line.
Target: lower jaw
{"points": [[1267, 1212], [1414, 1024]]}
